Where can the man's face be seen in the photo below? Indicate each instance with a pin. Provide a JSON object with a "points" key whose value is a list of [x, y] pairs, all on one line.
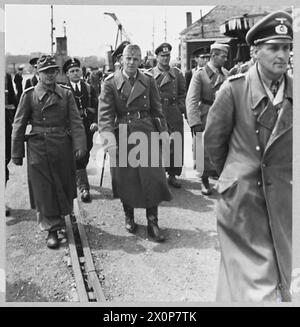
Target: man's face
{"points": [[219, 59], [164, 59], [273, 59], [131, 60], [74, 74], [48, 76]]}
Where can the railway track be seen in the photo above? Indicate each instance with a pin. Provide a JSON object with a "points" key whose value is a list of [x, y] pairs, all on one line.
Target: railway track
{"points": [[87, 282]]}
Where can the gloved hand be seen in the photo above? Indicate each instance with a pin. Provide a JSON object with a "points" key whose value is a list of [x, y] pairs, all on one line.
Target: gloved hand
{"points": [[79, 154], [94, 127], [197, 129], [17, 161]]}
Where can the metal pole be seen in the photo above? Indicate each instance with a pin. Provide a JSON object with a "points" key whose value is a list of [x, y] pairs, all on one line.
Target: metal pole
{"points": [[202, 30], [51, 30]]}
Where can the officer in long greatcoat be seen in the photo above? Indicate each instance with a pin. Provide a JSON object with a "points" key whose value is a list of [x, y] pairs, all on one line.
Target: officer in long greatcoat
{"points": [[172, 89], [205, 82], [57, 134], [87, 105], [129, 103], [249, 139]]}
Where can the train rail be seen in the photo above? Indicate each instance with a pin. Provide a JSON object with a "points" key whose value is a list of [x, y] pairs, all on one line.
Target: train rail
{"points": [[87, 282]]}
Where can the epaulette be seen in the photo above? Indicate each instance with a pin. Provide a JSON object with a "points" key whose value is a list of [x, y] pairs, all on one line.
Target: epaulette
{"points": [[65, 86], [110, 76], [234, 77], [29, 89], [146, 72]]}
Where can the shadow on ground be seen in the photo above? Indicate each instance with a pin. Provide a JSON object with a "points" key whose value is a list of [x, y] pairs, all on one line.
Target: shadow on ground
{"points": [[19, 215], [24, 291]]}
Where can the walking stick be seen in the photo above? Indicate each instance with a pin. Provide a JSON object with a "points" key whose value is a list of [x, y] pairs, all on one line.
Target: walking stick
{"points": [[103, 166]]}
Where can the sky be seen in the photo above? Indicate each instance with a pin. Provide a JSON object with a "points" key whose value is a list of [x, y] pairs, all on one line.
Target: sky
{"points": [[91, 32]]}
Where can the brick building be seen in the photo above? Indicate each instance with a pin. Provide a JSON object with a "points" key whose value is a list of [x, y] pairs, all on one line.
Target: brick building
{"points": [[225, 24]]}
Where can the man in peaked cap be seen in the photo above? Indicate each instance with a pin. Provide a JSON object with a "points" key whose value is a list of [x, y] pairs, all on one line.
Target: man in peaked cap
{"points": [[87, 105], [34, 79], [249, 140], [172, 89], [57, 134], [205, 82]]}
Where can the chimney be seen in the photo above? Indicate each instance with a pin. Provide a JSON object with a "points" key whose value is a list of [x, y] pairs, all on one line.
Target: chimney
{"points": [[188, 19]]}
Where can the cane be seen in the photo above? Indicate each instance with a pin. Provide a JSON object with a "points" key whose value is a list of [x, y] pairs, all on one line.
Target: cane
{"points": [[103, 166]]}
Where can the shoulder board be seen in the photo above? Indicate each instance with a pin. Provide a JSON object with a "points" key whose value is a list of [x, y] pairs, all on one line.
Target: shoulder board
{"points": [[176, 68], [148, 73], [65, 86], [234, 77], [29, 89], [110, 76]]}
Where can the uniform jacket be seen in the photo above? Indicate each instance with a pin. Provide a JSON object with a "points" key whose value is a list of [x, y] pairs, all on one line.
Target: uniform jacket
{"points": [[139, 187], [255, 208], [50, 158], [172, 90], [87, 102], [201, 94]]}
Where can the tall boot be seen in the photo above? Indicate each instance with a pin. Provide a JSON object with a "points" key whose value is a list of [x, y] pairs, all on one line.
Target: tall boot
{"points": [[154, 231], [130, 225], [83, 184], [206, 189]]}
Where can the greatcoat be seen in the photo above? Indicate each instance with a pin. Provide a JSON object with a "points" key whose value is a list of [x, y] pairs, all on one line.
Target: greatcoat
{"points": [[251, 149], [200, 96], [138, 187], [172, 90], [57, 131]]}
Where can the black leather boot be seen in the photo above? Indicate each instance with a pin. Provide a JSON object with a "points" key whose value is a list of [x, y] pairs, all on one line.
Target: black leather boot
{"points": [[130, 225], [52, 240], [206, 190], [154, 231]]}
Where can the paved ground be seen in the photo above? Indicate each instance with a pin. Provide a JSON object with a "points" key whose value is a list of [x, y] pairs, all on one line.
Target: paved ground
{"points": [[130, 267]]}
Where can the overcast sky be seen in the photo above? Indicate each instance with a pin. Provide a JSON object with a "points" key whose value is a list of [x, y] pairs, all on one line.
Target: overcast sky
{"points": [[89, 31]]}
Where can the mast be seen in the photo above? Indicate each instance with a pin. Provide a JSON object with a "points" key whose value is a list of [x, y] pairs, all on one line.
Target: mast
{"points": [[52, 29], [165, 22]]}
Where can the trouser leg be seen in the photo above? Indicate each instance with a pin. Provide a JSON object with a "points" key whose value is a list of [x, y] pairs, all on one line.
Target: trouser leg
{"points": [[154, 231], [130, 225]]}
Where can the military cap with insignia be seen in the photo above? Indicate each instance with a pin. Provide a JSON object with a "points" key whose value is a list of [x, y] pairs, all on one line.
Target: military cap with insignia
{"points": [[277, 27], [164, 48], [201, 52], [220, 46], [72, 62], [45, 62], [33, 61], [119, 50]]}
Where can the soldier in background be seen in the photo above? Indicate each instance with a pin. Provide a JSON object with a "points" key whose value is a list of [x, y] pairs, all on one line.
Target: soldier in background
{"points": [[201, 58], [18, 80], [34, 79], [10, 110], [205, 82], [57, 135], [172, 89], [87, 105]]}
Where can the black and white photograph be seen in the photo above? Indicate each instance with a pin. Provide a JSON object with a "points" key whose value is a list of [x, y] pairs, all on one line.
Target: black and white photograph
{"points": [[148, 153]]}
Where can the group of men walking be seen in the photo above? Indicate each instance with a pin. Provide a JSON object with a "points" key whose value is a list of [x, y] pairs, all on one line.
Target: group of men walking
{"points": [[244, 121]]}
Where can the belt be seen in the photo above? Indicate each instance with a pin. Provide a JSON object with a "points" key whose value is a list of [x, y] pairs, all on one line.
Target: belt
{"points": [[134, 115], [208, 102], [167, 102], [43, 129]]}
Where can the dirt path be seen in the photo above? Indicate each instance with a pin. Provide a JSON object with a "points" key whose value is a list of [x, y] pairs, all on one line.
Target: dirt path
{"points": [[130, 267]]}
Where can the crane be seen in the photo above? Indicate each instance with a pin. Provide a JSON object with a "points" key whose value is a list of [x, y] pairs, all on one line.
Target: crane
{"points": [[121, 32]]}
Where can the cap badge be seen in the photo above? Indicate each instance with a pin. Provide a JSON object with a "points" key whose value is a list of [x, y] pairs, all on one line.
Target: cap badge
{"points": [[165, 49], [281, 29]]}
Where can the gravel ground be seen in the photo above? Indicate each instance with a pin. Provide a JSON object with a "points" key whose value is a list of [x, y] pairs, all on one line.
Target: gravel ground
{"points": [[131, 268]]}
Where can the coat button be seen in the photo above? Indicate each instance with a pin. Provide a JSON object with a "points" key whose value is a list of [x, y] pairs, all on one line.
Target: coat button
{"points": [[257, 148], [44, 118], [264, 165], [259, 183], [257, 131], [145, 105]]}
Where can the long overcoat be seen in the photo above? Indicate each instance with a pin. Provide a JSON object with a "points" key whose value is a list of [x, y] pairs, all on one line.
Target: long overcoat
{"points": [[172, 90], [200, 97], [141, 186], [254, 217], [50, 157]]}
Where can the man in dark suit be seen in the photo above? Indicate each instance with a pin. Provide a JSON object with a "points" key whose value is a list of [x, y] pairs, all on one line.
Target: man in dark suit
{"points": [[87, 104], [18, 80], [33, 80]]}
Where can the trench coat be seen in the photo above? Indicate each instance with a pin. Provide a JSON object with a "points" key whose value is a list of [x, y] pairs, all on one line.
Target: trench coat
{"points": [[141, 186], [254, 215], [200, 96], [50, 158], [172, 90]]}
